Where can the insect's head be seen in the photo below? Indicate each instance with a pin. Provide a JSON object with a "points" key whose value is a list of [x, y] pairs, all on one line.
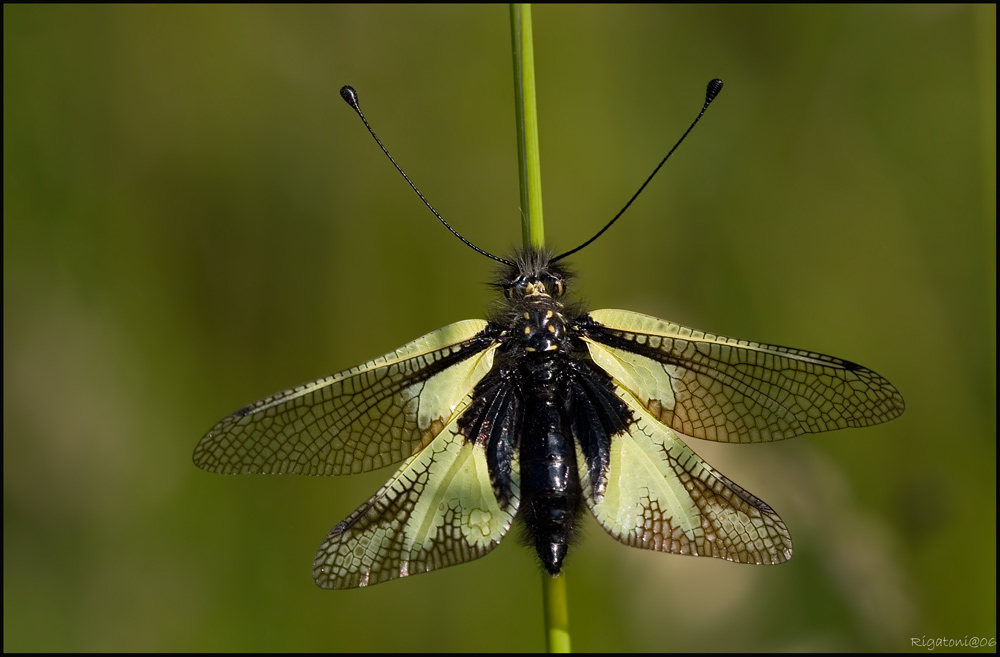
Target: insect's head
{"points": [[533, 277], [545, 284]]}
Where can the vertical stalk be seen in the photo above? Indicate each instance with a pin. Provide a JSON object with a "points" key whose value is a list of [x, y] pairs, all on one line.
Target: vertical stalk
{"points": [[556, 613], [528, 160]]}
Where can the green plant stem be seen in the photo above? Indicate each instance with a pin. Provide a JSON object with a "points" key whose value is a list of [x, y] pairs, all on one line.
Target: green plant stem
{"points": [[556, 612], [528, 160]]}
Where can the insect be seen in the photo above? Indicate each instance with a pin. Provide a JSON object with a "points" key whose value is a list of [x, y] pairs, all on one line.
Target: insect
{"points": [[538, 412]]}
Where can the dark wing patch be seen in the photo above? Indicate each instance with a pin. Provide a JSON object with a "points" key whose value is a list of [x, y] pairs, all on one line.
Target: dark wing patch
{"points": [[494, 420], [596, 415]]}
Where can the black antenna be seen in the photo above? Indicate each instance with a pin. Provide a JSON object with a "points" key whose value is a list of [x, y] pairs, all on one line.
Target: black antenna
{"points": [[714, 87], [348, 93]]}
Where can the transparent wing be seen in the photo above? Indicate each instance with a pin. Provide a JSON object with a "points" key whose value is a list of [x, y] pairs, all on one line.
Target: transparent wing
{"points": [[730, 390], [659, 495], [365, 418], [438, 510]]}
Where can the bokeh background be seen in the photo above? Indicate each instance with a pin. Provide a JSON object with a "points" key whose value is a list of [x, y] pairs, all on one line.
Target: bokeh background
{"points": [[193, 219]]}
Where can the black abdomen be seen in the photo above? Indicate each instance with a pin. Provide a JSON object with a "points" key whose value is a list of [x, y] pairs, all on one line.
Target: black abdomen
{"points": [[550, 483]]}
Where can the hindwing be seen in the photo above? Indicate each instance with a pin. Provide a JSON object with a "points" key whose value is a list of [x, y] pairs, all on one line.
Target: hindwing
{"points": [[437, 510], [728, 390], [659, 495]]}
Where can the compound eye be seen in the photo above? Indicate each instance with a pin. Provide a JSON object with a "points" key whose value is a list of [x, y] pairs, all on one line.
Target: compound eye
{"points": [[516, 288], [554, 284]]}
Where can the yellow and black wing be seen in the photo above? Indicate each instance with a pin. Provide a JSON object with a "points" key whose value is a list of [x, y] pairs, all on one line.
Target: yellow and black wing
{"points": [[728, 390], [659, 495], [439, 509], [364, 418]]}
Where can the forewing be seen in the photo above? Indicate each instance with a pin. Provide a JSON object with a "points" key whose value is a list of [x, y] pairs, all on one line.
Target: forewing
{"points": [[439, 509], [364, 418], [728, 390], [659, 495]]}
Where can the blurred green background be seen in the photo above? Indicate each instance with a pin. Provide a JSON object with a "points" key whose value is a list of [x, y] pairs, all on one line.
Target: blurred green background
{"points": [[193, 219]]}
